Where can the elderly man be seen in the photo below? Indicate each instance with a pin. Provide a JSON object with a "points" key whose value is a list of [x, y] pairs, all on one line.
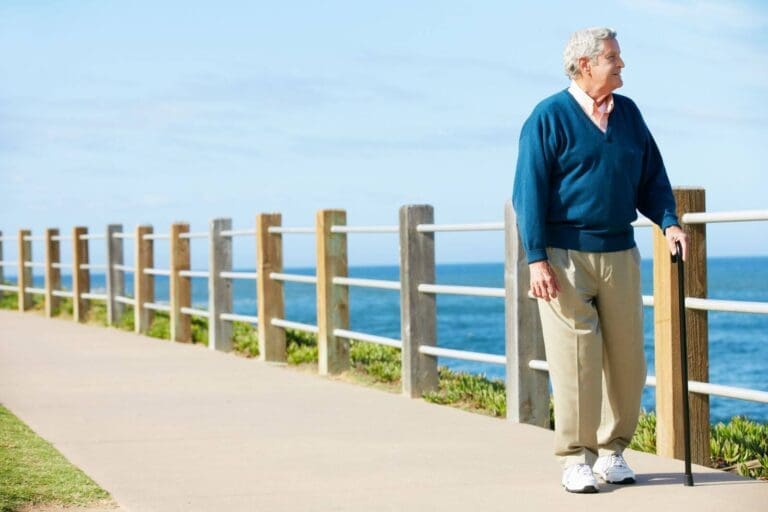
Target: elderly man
{"points": [[587, 162]]}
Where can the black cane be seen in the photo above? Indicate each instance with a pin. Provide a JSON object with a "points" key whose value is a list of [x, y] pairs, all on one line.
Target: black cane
{"points": [[678, 256]]}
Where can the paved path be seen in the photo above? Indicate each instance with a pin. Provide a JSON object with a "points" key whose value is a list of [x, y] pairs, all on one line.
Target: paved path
{"points": [[171, 427]]}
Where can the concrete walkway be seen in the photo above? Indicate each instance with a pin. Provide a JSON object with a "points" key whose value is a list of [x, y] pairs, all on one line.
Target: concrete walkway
{"points": [[171, 427]]}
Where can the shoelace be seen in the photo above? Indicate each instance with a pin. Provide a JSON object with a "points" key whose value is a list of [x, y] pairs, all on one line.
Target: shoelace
{"points": [[585, 470], [617, 460]]}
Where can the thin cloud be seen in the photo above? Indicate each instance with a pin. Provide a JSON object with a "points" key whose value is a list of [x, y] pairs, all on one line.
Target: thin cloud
{"points": [[705, 14]]}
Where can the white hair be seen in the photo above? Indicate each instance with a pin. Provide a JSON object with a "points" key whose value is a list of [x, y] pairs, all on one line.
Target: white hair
{"points": [[584, 43]]}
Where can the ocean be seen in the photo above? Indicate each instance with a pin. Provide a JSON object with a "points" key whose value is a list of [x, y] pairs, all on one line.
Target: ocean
{"points": [[738, 342]]}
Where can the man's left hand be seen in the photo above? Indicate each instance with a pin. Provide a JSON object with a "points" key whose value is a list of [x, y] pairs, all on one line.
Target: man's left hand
{"points": [[676, 234]]}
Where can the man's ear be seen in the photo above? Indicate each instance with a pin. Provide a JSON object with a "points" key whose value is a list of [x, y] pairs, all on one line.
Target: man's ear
{"points": [[585, 66]]}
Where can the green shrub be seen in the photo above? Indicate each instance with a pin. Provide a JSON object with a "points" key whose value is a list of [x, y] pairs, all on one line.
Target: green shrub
{"points": [[741, 445], [9, 300], [199, 327], [245, 339], [301, 347], [644, 439], [161, 326], [475, 392], [378, 361], [127, 321]]}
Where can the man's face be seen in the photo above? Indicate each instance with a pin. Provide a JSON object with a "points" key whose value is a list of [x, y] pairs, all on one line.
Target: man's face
{"points": [[604, 73]]}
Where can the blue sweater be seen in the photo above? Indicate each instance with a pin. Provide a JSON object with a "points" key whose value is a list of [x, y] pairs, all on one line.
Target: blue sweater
{"points": [[579, 188]]}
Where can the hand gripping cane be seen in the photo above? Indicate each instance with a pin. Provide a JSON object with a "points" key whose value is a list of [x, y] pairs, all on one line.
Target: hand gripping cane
{"points": [[678, 257]]}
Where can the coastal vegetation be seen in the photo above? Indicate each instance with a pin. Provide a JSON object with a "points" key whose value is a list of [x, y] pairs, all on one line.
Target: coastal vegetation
{"points": [[33, 472], [739, 446]]}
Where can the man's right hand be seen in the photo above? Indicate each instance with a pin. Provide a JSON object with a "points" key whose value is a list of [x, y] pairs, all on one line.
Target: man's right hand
{"points": [[544, 283]]}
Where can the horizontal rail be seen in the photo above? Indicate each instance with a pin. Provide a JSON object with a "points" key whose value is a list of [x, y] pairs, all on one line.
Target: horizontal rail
{"points": [[734, 306], [286, 324], [199, 234], [93, 236], [195, 273], [157, 307], [737, 216], [34, 238], [239, 275], [9, 263], [124, 268], [61, 265], [294, 278], [92, 266], [463, 354], [297, 231], [9, 288], [476, 291], [125, 300], [195, 312], [702, 388], [94, 296], [34, 264], [8, 238], [482, 226], [156, 236], [360, 336], [123, 235], [239, 318], [60, 238], [367, 283], [62, 293], [238, 232], [365, 229], [157, 271], [648, 300], [35, 291]]}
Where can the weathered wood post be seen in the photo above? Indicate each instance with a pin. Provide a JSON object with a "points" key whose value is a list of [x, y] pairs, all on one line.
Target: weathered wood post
{"points": [[669, 394], [143, 283], [527, 389], [219, 288], [25, 271], [418, 311], [332, 300], [270, 298], [52, 271], [115, 277], [180, 286], [81, 276]]}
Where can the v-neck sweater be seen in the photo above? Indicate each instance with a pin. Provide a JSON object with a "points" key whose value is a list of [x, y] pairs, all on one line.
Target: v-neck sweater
{"points": [[579, 188]]}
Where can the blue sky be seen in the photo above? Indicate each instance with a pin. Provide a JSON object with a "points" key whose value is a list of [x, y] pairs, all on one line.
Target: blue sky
{"points": [[153, 112]]}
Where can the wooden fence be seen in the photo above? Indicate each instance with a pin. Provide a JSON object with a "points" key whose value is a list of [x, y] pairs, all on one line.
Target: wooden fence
{"points": [[526, 376]]}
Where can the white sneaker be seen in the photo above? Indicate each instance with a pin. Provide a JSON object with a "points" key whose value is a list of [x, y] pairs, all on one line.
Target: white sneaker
{"points": [[579, 478], [613, 469]]}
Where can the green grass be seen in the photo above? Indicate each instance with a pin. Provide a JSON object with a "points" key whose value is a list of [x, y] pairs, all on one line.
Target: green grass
{"points": [[33, 472]]}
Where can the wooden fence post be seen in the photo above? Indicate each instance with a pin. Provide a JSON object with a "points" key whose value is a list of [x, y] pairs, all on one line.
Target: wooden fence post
{"points": [[527, 389], [669, 394], [81, 282], [332, 300], [180, 287], [115, 278], [418, 312], [52, 272], [143, 283], [219, 288], [25, 272], [270, 292]]}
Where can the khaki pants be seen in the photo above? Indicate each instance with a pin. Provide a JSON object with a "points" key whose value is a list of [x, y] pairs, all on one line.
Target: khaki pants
{"points": [[593, 336]]}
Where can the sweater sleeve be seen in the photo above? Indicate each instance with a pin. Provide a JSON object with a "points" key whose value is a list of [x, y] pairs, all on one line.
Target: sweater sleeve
{"points": [[531, 188], [655, 199]]}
